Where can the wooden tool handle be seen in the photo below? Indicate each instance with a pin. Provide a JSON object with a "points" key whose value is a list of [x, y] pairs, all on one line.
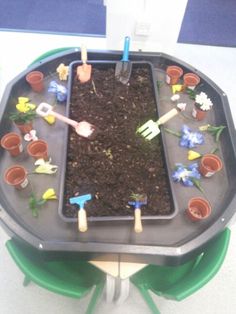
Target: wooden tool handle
{"points": [[82, 220], [166, 117], [137, 220], [84, 56]]}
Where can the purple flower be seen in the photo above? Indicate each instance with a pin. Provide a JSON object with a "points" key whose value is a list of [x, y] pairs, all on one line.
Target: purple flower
{"points": [[190, 139], [187, 175], [59, 90]]}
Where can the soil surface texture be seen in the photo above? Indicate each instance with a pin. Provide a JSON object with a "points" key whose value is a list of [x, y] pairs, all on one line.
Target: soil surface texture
{"points": [[118, 162]]}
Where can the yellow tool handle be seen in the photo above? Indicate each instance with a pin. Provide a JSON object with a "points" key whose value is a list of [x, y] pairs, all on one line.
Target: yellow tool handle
{"points": [[137, 221], [84, 56], [82, 220], [167, 116]]}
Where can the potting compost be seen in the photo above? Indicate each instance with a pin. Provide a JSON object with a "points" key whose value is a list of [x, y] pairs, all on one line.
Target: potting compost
{"points": [[118, 164]]}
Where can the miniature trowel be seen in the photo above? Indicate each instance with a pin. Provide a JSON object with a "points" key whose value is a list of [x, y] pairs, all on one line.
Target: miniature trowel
{"points": [[137, 202], [82, 216], [84, 71]]}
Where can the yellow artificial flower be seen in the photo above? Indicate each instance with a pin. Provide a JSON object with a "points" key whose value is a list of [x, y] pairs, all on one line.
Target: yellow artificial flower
{"points": [[63, 71], [24, 105], [192, 155], [45, 167], [50, 194], [204, 127], [177, 88], [23, 100], [50, 119]]}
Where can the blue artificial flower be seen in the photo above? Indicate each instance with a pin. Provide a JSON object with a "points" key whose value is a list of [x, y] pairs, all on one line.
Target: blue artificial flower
{"points": [[190, 139], [59, 90], [186, 175]]}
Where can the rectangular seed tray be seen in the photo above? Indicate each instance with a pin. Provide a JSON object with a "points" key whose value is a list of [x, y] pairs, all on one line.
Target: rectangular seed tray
{"points": [[90, 167]]}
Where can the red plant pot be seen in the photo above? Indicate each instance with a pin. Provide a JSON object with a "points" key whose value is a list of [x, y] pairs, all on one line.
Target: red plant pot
{"points": [[209, 165], [191, 80], [198, 113], [38, 149], [198, 209], [35, 79], [12, 143], [16, 176], [25, 128], [173, 74]]}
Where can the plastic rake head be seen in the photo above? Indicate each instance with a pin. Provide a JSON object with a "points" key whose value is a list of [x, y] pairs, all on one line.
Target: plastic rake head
{"points": [[149, 130]]}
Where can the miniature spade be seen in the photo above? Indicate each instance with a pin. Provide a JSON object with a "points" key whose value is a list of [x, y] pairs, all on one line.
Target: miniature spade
{"points": [[84, 71], [82, 216], [82, 128]]}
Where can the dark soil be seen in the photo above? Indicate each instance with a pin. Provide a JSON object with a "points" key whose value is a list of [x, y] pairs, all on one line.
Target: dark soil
{"points": [[118, 162]]}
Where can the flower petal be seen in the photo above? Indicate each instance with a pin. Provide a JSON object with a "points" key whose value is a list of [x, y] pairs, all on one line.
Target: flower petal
{"points": [[50, 194]]}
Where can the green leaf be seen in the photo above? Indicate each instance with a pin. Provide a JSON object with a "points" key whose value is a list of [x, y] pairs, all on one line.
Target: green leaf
{"points": [[197, 184]]}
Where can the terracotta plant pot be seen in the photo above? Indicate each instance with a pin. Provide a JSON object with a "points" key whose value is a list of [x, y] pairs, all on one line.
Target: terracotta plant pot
{"points": [[209, 165], [198, 209], [35, 79], [173, 74], [191, 80], [12, 143], [38, 149], [198, 113], [16, 176], [24, 128]]}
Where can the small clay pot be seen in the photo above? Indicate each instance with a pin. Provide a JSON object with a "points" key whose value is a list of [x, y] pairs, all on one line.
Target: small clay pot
{"points": [[12, 143], [198, 113], [198, 209], [36, 81], [38, 149], [16, 176], [173, 74], [191, 80], [209, 165], [25, 128]]}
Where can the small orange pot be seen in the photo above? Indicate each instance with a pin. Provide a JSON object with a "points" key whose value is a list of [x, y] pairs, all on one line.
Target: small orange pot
{"points": [[198, 209], [173, 74], [38, 149], [12, 143], [35, 79], [25, 128], [16, 176], [198, 113], [191, 80], [209, 165]]}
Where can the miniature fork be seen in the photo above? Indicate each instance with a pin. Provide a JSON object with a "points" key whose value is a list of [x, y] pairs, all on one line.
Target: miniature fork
{"points": [[150, 129]]}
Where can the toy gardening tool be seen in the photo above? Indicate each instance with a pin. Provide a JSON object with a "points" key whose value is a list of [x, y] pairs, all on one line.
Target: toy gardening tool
{"points": [[84, 71], [124, 67], [137, 202], [82, 216], [150, 129], [82, 128]]}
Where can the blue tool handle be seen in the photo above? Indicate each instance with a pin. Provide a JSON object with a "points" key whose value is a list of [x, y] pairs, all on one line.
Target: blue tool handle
{"points": [[126, 49]]}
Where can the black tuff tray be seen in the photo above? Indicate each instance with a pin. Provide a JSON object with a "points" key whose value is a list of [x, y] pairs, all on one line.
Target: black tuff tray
{"points": [[170, 241], [174, 203]]}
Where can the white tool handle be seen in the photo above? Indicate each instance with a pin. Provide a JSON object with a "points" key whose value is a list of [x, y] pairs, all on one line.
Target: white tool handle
{"points": [[84, 56], [44, 109], [82, 220], [137, 221], [166, 117]]}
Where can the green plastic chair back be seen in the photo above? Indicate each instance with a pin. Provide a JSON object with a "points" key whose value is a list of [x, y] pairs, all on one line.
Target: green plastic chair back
{"points": [[179, 282], [69, 278]]}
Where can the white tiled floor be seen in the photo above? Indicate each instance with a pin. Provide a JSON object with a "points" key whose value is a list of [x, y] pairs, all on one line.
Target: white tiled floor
{"points": [[17, 51]]}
